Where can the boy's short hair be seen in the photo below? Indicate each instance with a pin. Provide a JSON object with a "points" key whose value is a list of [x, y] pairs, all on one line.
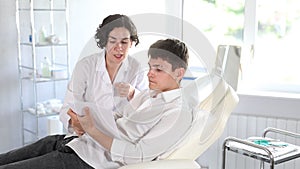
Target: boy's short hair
{"points": [[173, 51]]}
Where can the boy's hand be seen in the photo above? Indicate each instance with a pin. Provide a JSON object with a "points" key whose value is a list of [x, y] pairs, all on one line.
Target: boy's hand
{"points": [[74, 123]]}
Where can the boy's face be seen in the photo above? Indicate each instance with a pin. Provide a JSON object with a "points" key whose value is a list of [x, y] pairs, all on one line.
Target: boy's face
{"points": [[160, 75]]}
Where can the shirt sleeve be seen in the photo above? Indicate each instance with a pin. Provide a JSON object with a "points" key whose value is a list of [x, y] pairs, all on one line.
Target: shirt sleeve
{"points": [[75, 90], [162, 138]]}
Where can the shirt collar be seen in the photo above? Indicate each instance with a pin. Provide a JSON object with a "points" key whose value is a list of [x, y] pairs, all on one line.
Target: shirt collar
{"points": [[170, 95]]}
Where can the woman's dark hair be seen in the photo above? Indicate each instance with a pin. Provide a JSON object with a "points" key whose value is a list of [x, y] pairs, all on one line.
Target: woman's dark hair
{"points": [[111, 22], [173, 51]]}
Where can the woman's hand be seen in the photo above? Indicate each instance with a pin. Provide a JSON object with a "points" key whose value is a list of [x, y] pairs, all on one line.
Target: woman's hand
{"points": [[74, 123], [86, 121], [124, 90]]}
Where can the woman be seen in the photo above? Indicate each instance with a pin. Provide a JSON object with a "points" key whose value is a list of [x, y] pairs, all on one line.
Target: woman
{"points": [[97, 78], [93, 80]]}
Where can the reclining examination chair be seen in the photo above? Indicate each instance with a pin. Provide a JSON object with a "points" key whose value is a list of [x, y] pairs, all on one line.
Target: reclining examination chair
{"points": [[216, 95]]}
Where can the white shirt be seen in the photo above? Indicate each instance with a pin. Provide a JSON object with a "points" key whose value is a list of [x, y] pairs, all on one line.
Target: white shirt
{"points": [[149, 128]]}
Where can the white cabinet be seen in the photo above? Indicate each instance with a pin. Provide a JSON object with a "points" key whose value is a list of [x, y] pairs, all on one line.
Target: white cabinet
{"points": [[43, 62]]}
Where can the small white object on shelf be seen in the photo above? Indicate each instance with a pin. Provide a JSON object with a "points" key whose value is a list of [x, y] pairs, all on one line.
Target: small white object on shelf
{"points": [[42, 35], [46, 67], [51, 106], [53, 39], [59, 73]]}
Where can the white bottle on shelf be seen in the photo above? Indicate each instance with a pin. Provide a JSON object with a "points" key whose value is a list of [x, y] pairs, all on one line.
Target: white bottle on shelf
{"points": [[42, 35], [46, 67]]}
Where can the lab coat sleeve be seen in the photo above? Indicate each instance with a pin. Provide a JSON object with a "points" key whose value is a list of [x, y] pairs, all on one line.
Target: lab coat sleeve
{"points": [[140, 80], [76, 89]]}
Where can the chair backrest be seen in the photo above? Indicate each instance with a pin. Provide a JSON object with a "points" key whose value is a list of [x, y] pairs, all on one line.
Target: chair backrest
{"points": [[219, 104], [206, 130], [227, 63]]}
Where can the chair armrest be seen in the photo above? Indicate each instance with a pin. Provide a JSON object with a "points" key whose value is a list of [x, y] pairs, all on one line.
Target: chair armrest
{"points": [[165, 164]]}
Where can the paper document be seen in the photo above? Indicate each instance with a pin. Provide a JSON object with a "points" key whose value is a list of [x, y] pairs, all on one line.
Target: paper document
{"points": [[103, 118]]}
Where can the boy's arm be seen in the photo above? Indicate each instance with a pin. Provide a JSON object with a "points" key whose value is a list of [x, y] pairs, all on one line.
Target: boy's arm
{"points": [[88, 125]]}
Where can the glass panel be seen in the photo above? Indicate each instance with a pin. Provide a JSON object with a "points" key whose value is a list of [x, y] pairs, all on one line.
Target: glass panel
{"points": [[275, 65], [221, 20]]}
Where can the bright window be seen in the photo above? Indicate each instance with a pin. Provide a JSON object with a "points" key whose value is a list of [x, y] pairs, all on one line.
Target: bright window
{"points": [[220, 20], [275, 65], [269, 46]]}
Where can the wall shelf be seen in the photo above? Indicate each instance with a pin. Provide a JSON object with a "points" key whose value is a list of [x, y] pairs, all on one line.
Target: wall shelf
{"points": [[41, 93]]}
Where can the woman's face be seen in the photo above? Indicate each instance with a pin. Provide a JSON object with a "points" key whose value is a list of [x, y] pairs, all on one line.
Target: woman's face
{"points": [[118, 45]]}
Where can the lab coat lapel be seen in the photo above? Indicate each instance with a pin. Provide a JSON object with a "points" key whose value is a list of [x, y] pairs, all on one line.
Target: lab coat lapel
{"points": [[122, 72]]}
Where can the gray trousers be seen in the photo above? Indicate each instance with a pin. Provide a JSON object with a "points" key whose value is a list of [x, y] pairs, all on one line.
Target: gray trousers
{"points": [[47, 153]]}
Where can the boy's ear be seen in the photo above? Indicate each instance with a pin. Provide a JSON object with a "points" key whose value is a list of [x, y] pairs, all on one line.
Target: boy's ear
{"points": [[179, 73]]}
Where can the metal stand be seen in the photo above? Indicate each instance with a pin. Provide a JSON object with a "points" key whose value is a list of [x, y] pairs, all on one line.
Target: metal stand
{"points": [[248, 148]]}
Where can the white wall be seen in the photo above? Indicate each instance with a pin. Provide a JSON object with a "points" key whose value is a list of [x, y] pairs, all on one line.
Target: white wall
{"points": [[10, 121], [86, 15]]}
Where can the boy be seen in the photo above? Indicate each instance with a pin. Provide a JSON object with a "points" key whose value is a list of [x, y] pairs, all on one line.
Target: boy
{"points": [[155, 122]]}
